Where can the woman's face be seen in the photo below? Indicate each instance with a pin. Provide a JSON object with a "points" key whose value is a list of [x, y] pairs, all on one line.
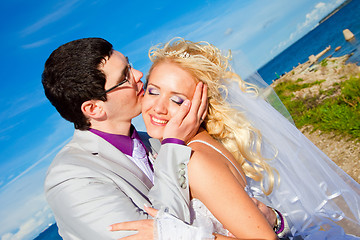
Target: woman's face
{"points": [[168, 87]]}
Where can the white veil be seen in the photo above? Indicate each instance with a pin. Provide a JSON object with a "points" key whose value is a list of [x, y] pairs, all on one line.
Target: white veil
{"points": [[319, 200]]}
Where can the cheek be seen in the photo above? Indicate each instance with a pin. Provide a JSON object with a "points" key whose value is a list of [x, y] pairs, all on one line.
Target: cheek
{"points": [[173, 109], [147, 103]]}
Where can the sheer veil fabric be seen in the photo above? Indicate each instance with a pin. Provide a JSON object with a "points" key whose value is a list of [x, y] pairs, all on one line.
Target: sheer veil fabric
{"points": [[319, 200]]}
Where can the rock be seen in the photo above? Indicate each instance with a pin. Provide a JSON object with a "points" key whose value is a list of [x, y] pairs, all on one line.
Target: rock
{"points": [[348, 35], [343, 151]]}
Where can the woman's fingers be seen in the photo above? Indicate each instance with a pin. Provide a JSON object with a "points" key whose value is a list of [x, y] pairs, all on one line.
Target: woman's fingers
{"points": [[196, 103], [204, 105], [129, 226], [151, 211], [144, 228]]}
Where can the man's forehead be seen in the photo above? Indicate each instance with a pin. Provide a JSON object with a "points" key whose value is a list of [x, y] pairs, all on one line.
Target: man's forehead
{"points": [[115, 56], [117, 53]]}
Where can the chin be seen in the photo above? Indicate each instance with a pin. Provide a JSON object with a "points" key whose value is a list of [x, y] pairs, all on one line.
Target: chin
{"points": [[154, 132]]}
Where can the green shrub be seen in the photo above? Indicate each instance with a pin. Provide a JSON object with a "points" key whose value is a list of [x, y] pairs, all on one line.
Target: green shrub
{"points": [[350, 91], [324, 62], [339, 114]]}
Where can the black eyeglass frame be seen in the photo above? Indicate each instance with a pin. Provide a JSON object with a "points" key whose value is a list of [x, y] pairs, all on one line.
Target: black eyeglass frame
{"points": [[126, 79]]}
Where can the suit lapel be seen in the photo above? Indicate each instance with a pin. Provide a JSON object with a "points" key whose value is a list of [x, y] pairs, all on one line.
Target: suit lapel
{"points": [[152, 145], [114, 160]]}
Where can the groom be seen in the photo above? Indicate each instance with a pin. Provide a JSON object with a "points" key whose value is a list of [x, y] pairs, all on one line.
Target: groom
{"points": [[107, 172], [104, 176]]}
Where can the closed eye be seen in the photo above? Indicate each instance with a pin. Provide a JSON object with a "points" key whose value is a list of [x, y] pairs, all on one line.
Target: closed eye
{"points": [[176, 99], [153, 91]]}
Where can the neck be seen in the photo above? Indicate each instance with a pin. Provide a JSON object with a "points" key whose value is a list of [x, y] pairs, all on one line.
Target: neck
{"points": [[119, 128], [199, 133]]}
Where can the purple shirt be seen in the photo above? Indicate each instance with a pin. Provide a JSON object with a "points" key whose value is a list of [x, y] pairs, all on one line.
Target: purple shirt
{"points": [[122, 142]]}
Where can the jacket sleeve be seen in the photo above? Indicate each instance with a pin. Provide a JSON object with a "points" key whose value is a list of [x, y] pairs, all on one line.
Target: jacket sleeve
{"points": [[85, 203], [85, 200], [171, 187]]}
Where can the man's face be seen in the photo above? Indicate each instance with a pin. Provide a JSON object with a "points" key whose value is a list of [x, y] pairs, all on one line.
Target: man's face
{"points": [[124, 102]]}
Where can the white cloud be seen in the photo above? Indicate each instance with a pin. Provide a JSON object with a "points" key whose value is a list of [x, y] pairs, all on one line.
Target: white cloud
{"points": [[200, 28], [62, 11], [15, 116], [37, 43], [30, 228], [24, 230], [7, 128], [59, 34], [230, 26], [19, 105], [51, 144], [314, 16], [26, 209], [46, 157], [311, 20]]}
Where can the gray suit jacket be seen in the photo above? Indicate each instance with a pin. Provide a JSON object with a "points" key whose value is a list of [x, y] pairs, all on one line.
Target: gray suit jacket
{"points": [[91, 185]]}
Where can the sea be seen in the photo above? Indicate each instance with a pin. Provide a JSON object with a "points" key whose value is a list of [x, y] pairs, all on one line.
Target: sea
{"points": [[328, 33]]}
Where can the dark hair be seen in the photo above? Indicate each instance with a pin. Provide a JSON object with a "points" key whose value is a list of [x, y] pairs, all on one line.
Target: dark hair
{"points": [[71, 76]]}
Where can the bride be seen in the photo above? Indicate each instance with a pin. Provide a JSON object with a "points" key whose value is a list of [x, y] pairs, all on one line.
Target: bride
{"points": [[246, 148]]}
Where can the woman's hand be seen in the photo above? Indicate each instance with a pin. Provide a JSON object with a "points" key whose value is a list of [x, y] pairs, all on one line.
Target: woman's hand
{"points": [[266, 211], [144, 227], [185, 124]]}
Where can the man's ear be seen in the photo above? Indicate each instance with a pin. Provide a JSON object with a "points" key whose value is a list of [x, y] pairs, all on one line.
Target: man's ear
{"points": [[93, 109]]}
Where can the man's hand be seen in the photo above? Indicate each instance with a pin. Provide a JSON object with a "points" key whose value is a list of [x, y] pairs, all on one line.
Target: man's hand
{"points": [[266, 211], [185, 124], [145, 227]]}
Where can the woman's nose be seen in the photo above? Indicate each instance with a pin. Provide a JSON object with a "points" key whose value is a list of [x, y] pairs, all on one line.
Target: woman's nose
{"points": [[160, 106]]}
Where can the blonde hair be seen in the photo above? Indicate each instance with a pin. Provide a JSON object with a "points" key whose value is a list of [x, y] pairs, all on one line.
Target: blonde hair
{"points": [[206, 63]]}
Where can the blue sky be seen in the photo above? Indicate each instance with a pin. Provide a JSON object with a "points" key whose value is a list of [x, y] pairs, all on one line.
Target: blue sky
{"points": [[32, 132]]}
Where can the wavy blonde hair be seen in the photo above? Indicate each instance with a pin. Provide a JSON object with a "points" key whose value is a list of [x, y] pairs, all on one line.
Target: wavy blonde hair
{"points": [[206, 63]]}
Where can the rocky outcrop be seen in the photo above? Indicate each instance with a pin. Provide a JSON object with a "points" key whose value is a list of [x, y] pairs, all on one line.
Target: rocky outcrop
{"points": [[341, 149]]}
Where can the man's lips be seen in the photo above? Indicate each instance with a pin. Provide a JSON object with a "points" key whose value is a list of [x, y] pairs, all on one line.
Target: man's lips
{"points": [[141, 92]]}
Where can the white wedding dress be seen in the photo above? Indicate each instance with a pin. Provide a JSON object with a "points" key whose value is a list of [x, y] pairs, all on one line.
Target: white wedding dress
{"points": [[318, 199], [201, 216]]}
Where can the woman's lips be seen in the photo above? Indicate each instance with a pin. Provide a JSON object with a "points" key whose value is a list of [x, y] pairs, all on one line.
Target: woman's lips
{"points": [[157, 121]]}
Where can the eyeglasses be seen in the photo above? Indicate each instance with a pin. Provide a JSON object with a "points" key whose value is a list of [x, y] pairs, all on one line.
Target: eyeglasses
{"points": [[126, 79]]}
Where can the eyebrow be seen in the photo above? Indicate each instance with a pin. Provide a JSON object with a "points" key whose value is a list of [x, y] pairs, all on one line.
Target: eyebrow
{"points": [[177, 93]]}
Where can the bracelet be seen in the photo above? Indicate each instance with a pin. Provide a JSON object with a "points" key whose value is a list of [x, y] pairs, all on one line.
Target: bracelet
{"points": [[279, 225], [172, 140]]}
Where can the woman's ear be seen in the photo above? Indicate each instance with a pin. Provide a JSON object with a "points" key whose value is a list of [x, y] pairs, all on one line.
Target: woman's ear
{"points": [[93, 109]]}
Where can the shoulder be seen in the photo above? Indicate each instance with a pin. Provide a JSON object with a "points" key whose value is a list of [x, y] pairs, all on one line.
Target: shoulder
{"points": [[207, 150], [212, 159], [72, 162], [205, 159]]}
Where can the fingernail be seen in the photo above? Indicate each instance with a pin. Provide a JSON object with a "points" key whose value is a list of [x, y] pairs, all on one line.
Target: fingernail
{"points": [[187, 102], [109, 228]]}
